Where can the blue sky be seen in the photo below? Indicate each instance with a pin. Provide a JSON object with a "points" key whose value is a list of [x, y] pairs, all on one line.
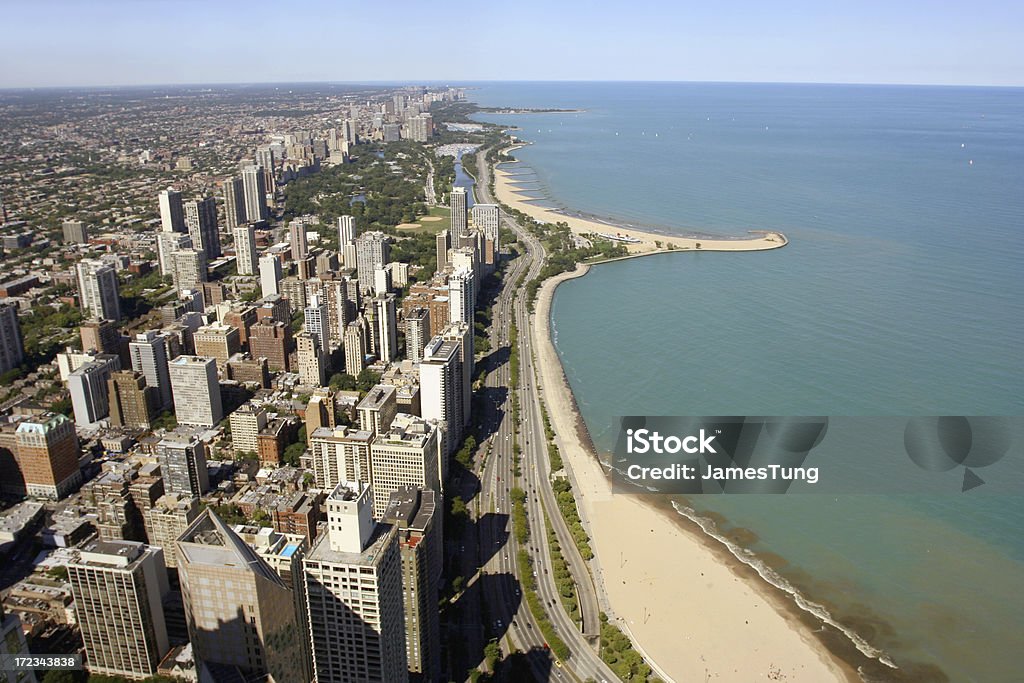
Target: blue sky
{"points": [[123, 42]]}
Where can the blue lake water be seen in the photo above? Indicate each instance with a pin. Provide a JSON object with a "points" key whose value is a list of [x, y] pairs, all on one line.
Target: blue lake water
{"points": [[901, 293]]}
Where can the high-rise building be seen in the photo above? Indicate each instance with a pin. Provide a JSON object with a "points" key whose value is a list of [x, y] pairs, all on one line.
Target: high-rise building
{"points": [[317, 323], [166, 244], [417, 332], [167, 520], [131, 401], [441, 387], [100, 336], [46, 455], [382, 280], [387, 326], [196, 391], [118, 587], [340, 454], [355, 349], [457, 203], [75, 232], [12, 647], [189, 269], [239, 611], [12, 346], [234, 203], [271, 339], [407, 453], [421, 128], [462, 296], [346, 231], [97, 287], [354, 594], [416, 513], [487, 219], [462, 334], [217, 341], [310, 357], [172, 213], [254, 183], [246, 424], [444, 243], [201, 221], [270, 275], [297, 238], [373, 251], [150, 357], [87, 386], [377, 409], [245, 249], [182, 458]]}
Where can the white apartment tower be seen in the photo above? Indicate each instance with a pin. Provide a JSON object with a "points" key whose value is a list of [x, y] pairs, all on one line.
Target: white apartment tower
{"points": [[97, 287], [150, 357], [245, 249], [457, 203], [255, 186], [196, 391], [354, 594], [201, 221], [172, 212], [407, 454], [373, 251]]}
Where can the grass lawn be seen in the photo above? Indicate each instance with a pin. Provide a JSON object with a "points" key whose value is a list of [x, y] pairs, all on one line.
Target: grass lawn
{"points": [[431, 226]]}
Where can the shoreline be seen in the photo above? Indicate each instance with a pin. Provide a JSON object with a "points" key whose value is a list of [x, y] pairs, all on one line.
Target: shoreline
{"points": [[648, 241], [680, 563]]}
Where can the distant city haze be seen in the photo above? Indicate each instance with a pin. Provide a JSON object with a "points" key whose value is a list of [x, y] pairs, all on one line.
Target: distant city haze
{"points": [[123, 42]]}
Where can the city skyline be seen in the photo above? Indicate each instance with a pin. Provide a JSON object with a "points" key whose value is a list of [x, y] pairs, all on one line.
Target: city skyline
{"points": [[799, 42]]}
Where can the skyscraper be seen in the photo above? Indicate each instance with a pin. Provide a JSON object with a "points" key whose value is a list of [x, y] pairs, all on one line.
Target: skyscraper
{"points": [[240, 612], [346, 231], [234, 203], [46, 453], [408, 453], [201, 221], [87, 386], [317, 321], [444, 243], [196, 391], [441, 387], [167, 520], [166, 244], [172, 213], [118, 587], [245, 249], [354, 594], [270, 275], [254, 182], [340, 454], [182, 458], [131, 401], [297, 237], [416, 514], [462, 296], [12, 347], [387, 326], [373, 251], [355, 349], [100, 336], [271, 339], [457, 203], [462, 334], [75, 232], [311, 360], [97, 287], [150, 357], [189, 269], [417, 332]]}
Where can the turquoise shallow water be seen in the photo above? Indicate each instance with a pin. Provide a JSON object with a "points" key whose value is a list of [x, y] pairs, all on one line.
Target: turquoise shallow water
{"points": [[901, 293]]}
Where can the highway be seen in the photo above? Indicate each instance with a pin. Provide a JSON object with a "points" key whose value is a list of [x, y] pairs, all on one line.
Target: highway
{"points": [[507, 614]]}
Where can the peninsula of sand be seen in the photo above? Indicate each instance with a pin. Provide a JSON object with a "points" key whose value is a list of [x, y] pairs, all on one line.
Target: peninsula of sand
{"points": [[693, 613], [636, 241]]}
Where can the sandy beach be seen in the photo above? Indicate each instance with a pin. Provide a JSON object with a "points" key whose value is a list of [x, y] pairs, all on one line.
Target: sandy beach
{"points": [[692, 612], [507, 193]]}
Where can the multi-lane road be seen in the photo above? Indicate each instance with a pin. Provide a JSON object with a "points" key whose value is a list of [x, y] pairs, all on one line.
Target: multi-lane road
{"points": [[496, 585]]}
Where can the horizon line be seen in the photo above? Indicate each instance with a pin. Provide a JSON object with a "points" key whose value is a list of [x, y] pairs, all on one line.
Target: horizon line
{"points": [[460, 83]]}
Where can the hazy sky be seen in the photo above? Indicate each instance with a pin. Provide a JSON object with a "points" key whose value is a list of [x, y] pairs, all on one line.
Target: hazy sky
{"points": [[113, 42]]}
